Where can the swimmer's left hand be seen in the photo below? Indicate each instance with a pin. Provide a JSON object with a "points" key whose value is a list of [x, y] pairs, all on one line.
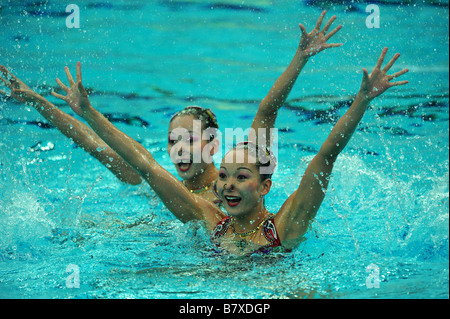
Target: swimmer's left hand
{"points": [[316, 41]]}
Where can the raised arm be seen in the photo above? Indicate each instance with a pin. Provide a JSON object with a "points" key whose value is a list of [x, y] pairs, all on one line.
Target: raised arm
{"points": [[77, 131], [310, 44], [301, 207], [183, 204]]}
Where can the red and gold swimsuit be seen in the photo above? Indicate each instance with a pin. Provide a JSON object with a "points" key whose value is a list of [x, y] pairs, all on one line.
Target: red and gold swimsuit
{"points": [[269, 232]]}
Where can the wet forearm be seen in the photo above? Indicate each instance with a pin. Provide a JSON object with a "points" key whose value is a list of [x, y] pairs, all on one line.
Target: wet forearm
{"points": [[283, 85], [274, 100], [74, 129], [345, 127], [88, 140], [130, 150]]}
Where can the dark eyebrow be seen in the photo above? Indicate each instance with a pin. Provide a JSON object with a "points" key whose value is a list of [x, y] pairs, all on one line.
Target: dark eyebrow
{"points": [[248, 169], [179, 135], [190, 132]]}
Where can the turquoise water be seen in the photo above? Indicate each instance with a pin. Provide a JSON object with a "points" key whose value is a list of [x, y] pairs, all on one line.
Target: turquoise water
{"points": [[387, 203]]}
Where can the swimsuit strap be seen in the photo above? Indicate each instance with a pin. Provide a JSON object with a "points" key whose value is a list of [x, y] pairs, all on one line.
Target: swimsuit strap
{"points": [[221, 228], [270, 232]]}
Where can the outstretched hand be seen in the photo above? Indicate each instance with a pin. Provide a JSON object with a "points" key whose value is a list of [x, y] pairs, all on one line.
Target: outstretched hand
{"points": [[19, 90], [316, 41], [378, 81], [76, 97]]}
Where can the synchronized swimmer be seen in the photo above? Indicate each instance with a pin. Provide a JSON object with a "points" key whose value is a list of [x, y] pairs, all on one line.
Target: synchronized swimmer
{"points": [[229, 200]]}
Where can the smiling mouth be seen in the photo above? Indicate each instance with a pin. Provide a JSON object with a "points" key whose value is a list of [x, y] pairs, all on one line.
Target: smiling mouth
{"points": [[233, 201], [184, 165]]}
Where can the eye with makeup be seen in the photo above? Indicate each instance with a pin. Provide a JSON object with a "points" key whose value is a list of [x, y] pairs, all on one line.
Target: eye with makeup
{"points": [[172, 140], [193, 139], [222, 175], [242, 177]]}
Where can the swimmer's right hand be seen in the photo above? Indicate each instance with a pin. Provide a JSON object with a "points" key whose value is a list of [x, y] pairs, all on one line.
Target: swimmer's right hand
{"points": [[77, 96]]}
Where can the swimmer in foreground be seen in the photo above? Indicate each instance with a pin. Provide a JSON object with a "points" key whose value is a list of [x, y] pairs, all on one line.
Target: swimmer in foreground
{"points": [[198, 177], [245, 177]]}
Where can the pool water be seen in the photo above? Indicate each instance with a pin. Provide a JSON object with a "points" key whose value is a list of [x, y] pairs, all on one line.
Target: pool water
{"points": [[382, 231]]}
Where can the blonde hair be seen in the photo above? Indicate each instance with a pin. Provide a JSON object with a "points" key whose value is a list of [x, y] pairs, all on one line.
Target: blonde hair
{"points": [[205, 115]]}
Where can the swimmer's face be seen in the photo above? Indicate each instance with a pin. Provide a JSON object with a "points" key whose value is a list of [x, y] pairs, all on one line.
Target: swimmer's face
{"points": [[239, 185], [186, 146]]}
